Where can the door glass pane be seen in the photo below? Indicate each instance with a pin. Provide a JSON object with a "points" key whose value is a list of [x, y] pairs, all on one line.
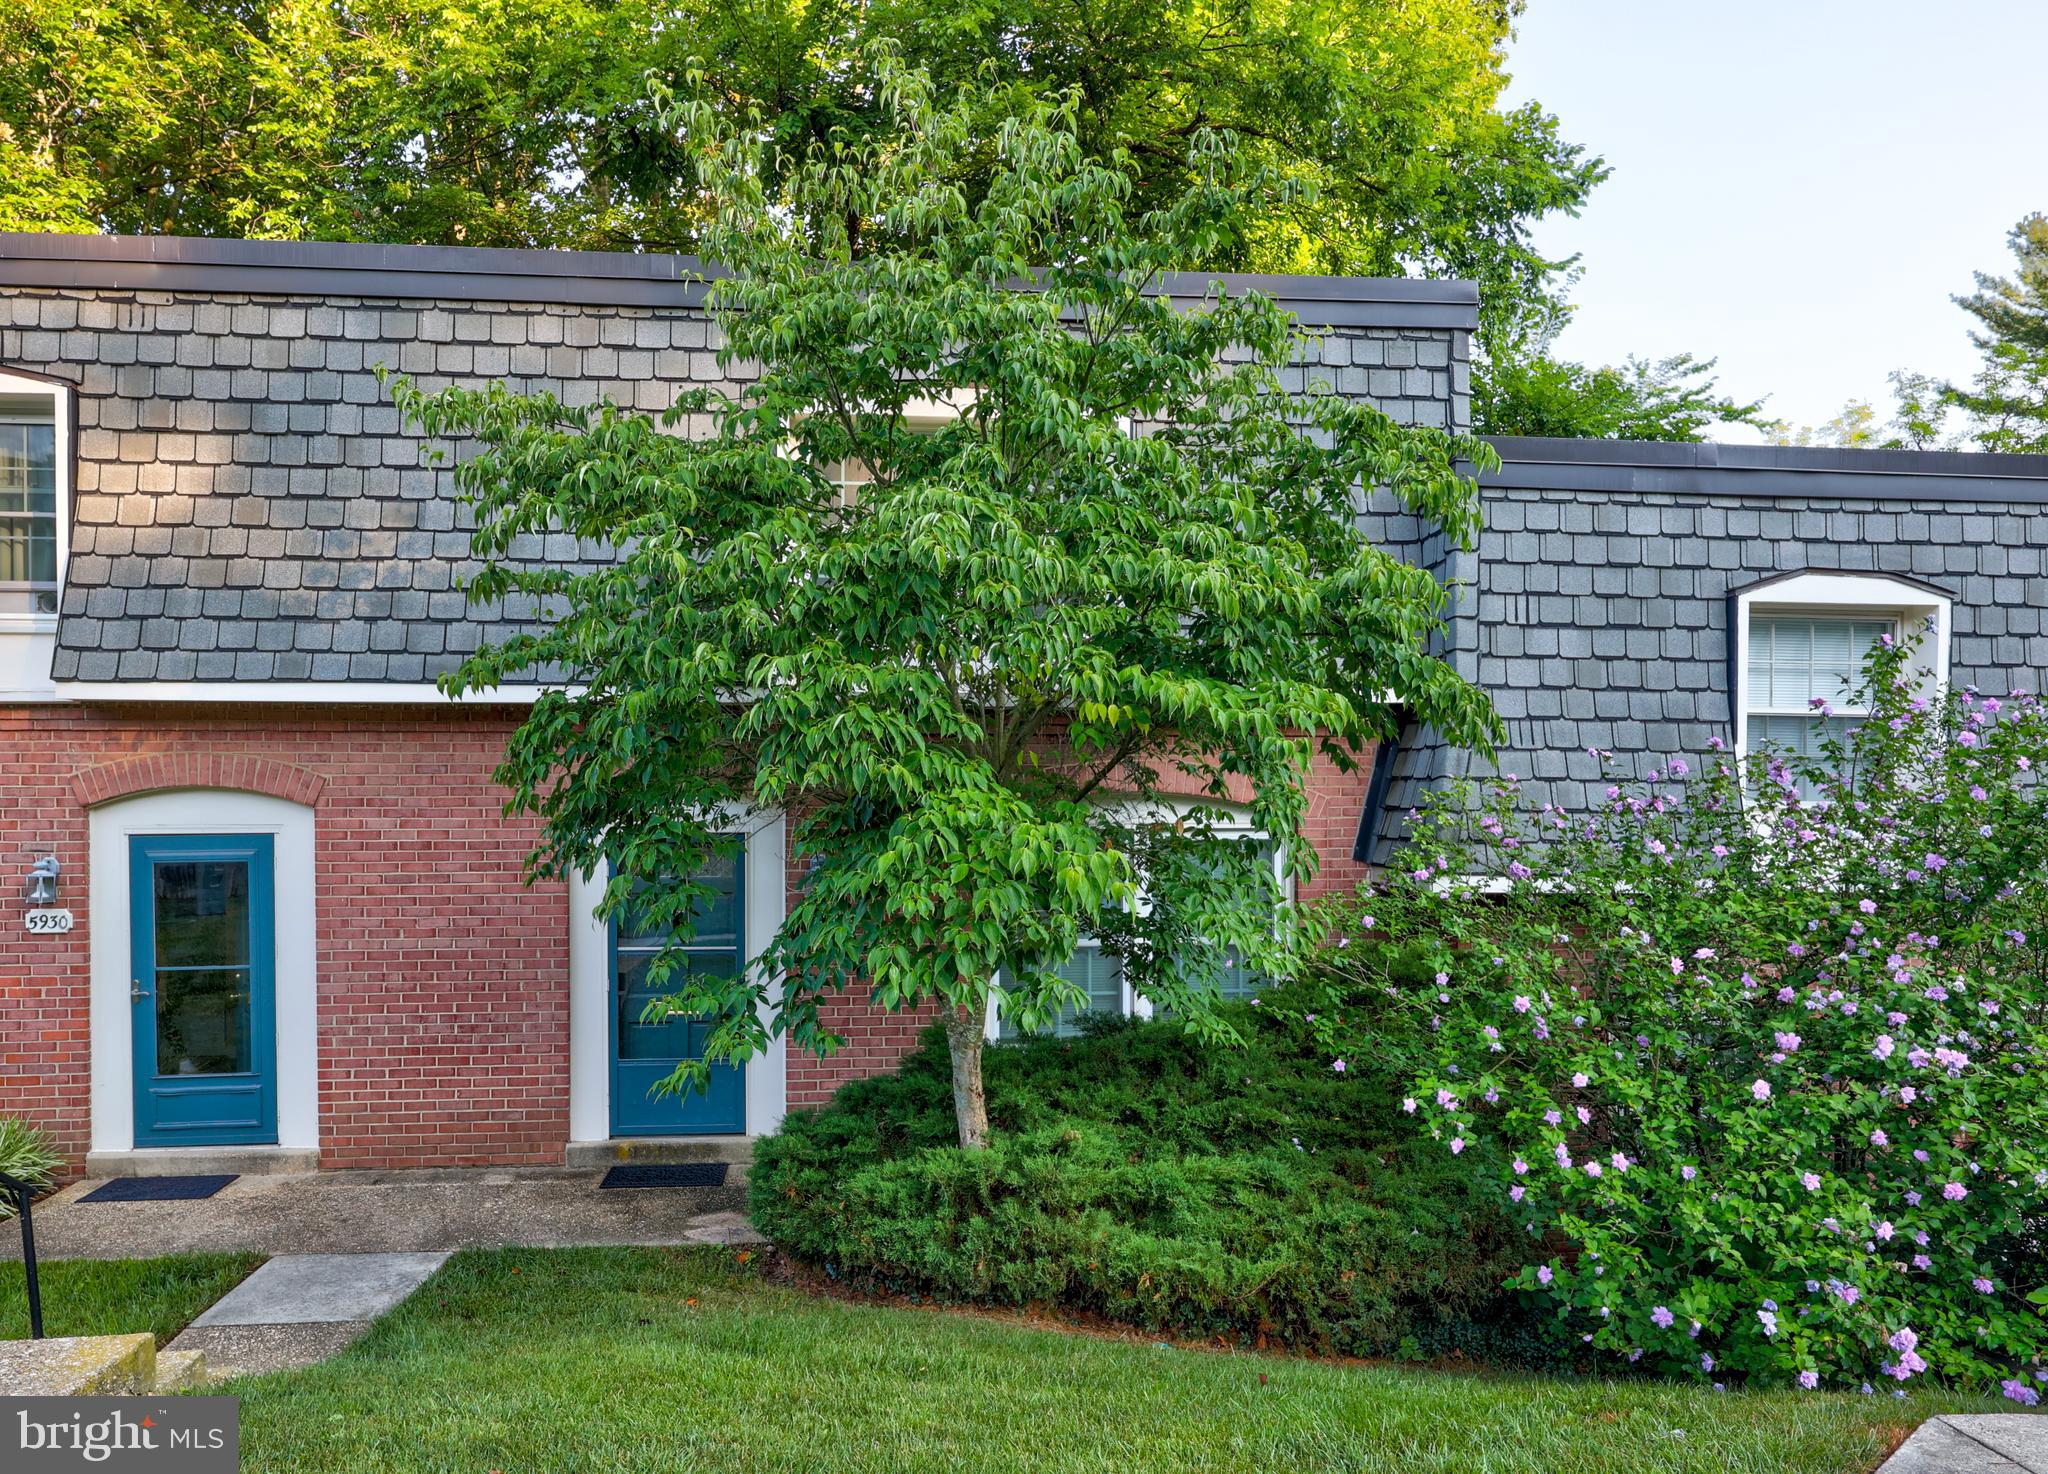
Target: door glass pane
{"points": [[675, 1036], [202, 966], [202, 913], [202, 1021], [716, 920]]}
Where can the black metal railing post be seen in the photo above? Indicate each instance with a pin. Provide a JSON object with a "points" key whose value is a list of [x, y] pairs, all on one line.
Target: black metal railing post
{"points": [[28, 1255]]}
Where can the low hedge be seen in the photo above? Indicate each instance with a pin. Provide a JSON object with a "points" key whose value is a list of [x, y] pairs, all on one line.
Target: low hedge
{"points": [[1137, 1174]]}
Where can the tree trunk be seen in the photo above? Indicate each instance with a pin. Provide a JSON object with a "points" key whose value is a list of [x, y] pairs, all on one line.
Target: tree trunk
{"points": [[964, 1036]]}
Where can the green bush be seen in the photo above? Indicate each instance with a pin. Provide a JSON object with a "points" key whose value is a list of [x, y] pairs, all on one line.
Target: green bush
{"points": [[1137, 1174], [27, 1156], [1755, 1051]]}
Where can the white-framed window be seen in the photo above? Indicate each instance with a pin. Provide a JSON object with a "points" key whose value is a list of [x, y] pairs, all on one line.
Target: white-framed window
{"points": [[920, 417], [35, 459], [1804, 638], [1099, 974]]}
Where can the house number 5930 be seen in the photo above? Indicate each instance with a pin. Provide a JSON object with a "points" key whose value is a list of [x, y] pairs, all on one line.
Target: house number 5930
{"points": [[48, 920]]}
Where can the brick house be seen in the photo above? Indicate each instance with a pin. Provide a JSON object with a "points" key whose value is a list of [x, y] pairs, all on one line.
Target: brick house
{"points": [[228, 578]]}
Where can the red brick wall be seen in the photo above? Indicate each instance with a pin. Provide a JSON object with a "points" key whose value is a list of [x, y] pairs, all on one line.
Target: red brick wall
{"points": [[443, 978]]}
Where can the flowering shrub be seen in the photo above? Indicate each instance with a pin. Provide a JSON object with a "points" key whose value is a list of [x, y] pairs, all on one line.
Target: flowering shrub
{"points": [[1764, 1075]]}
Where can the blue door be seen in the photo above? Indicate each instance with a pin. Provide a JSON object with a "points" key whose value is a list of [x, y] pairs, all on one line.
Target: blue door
{"points": [[202, 989], [644, 1054]]}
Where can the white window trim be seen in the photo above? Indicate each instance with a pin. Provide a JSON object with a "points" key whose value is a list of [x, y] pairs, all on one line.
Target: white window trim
{"points": [[1166, 809], [590, 986], [203, 811], [1840, 595], [28, 641]]}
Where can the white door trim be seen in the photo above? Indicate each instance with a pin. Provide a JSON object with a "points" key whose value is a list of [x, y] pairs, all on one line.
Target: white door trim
{"points": [[203, 811], [590, 987]]}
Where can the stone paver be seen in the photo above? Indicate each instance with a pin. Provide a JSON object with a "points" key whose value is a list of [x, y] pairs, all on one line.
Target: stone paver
{"points": [[77, 1366], [389, 1212], [300, 1289], [1974, 1443]]}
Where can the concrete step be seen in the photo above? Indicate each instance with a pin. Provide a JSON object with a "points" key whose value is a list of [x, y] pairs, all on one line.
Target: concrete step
{"points": [[736, 1150], [191, 1161], [78, 1366], [180, 1371]]}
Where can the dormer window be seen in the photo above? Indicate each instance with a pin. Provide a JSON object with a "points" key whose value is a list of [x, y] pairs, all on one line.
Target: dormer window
{"points": [[30, 472], [1801, 641]]}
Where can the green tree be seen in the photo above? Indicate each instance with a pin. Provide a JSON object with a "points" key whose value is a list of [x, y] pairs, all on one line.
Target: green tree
{"points": [[2007, 400], [1131, 558], [487, 122], [1921, 420], [1674, 398]]}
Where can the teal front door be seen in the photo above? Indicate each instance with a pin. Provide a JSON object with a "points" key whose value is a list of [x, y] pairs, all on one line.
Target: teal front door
{"points": [[643, 1053], [202, 989]]}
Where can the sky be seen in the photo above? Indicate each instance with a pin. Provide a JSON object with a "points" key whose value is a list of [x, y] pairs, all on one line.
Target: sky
{"points": [[1799, 188]]}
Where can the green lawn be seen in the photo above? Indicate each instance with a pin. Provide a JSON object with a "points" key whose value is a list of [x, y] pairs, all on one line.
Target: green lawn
{"points": [[663, 1360], [110, 1297]]}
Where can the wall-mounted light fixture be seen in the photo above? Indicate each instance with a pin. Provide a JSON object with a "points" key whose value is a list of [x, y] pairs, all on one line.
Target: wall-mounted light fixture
{"points": [[42, 881]]}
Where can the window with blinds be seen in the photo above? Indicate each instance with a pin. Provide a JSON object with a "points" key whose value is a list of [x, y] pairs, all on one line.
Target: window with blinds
{"points": [[1098, 974], [28, 503], [1795, 659]]}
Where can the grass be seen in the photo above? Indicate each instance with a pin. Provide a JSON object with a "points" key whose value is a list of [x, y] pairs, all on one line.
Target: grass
{"points": [[111, 1297], [657, 1360]]}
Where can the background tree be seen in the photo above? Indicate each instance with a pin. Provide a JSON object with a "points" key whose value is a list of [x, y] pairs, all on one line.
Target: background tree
{"points": [[1921, 419], [490, 123], [967, 688], [2007, 400], [1521, 387]]}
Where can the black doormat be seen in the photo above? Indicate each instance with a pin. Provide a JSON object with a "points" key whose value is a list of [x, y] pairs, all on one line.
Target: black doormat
{"points": [[666, 1174], [157, 1189]]}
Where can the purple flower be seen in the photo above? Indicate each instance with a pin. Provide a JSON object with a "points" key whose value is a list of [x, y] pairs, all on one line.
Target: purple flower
{"points": [[1982, 1285], [1867, 906], [1521, 1004], [1809, 1380], [1338, 1066], [1761, 1090], [1543, 1274], [1878, 1138], [1955, 1192], [1688, 1172], [1662, 1318], [1883, 1047], [1810, 1181], [1580, 1080], [1408, 1104], [2020, 1392], [1521, 1168]]}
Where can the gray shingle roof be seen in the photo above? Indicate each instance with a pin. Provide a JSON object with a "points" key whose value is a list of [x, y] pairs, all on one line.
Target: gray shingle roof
{"points": [[248, 506], [1597, 611]]}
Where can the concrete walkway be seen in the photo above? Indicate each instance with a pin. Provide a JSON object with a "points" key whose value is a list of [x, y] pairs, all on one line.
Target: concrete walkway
{"points": [[301, 1308], [354, 1213], [1974, 1443]]}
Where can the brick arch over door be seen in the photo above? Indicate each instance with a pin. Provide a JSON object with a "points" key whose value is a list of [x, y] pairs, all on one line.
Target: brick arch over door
{"points": [[161, 771]]}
